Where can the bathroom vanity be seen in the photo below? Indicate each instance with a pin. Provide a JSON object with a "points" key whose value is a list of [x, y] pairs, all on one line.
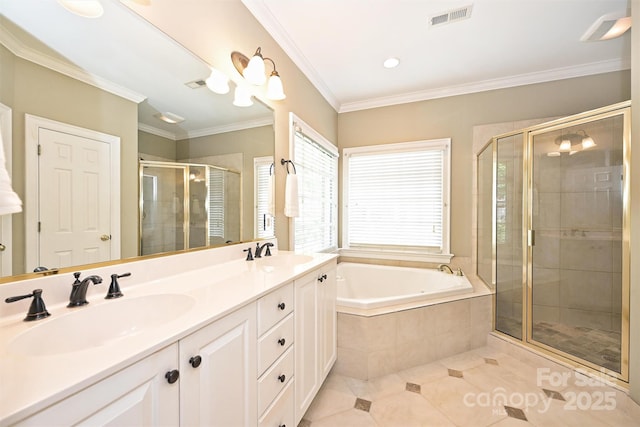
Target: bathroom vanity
{"points": [[200, 338]]}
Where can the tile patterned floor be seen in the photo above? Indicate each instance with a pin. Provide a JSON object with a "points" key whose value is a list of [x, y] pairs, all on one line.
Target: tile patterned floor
{"points": [[482, 387]]}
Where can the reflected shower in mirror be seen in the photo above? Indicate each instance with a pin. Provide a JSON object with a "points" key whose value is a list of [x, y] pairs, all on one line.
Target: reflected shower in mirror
{"points": [[119, 79]]}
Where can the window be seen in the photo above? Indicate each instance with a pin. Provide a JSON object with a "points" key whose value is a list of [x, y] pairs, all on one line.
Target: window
{"points": [[396, 199], [316, 164], [263, 197]]}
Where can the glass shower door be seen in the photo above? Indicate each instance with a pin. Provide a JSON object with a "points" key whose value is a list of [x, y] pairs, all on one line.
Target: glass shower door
{"points": [[576, 245]]}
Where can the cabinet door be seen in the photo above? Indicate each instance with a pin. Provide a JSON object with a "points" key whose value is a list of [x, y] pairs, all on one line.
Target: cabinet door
{"points": [[306, 342], [221, 389], [139, 395], [327, 320]]}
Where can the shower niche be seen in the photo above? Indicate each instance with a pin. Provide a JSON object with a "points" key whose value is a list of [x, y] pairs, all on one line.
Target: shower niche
{"points": [[184, 206], [553, 237]]}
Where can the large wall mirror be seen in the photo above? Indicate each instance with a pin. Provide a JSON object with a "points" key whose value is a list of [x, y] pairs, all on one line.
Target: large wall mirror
{"points": [[119, 77]]}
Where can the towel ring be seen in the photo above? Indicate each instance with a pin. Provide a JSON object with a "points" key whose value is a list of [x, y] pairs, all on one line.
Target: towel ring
{"points": [[283, 162]]}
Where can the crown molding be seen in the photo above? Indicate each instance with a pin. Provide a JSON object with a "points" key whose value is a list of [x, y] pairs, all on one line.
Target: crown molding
{"points": [[176, 136], [157, 132], [492, 84], [249, 124], [21, 50]]}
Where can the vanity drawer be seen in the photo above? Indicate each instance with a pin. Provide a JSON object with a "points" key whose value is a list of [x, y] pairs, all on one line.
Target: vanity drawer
{"points": [[274, 307], [281, 413], [274, 380], [274, 343]]}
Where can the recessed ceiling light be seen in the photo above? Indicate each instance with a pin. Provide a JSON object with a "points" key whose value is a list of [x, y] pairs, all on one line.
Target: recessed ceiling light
{"points": [[169, 117], [84, 8], [391, 63]]}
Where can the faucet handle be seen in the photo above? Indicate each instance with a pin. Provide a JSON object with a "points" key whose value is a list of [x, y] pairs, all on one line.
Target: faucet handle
{"points": [[268, 252], [114, 287], [249, 254], [76, 275], [37, 310]]}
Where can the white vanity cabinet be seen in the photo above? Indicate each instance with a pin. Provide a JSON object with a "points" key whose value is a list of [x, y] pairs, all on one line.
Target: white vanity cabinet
{"points": [[139, 395], [315, 333], [217, 372]]}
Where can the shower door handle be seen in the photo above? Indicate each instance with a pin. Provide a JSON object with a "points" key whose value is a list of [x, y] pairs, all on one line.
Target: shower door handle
{"points": [[531, 237]]}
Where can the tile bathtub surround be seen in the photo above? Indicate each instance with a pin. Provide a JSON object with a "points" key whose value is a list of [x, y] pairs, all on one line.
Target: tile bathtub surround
{"points": [[370, 347], [493, 389]]}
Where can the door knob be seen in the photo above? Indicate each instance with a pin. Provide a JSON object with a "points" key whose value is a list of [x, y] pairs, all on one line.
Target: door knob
{"points": [[2, 247], [105, 237]]}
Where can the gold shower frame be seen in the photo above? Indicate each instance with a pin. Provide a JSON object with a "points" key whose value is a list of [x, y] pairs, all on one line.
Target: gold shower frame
{"points": [[621, 109]]}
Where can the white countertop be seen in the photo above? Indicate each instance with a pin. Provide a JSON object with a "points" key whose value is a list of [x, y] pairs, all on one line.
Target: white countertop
{"points": [[28, 384]]}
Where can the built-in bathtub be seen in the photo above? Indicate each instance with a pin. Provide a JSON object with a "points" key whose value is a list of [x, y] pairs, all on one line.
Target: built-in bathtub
{"points": [[395, 318], [369, 286]]}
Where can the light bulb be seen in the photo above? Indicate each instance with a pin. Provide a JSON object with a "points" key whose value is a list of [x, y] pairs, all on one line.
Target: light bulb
{"points": [[218, 82], [565, 145], [255, 71], [242, 97], [275, 91], [588, 142]]}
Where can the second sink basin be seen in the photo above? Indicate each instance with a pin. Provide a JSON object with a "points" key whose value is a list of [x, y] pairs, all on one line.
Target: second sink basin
{"points": [[91, 327]]}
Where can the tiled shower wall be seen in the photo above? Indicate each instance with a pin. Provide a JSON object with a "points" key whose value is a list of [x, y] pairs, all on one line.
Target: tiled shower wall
{"points": [[369, 347]]}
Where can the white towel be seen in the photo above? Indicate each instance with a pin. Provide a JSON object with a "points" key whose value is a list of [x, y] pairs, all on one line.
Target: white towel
{"points": [[291, 202], [9, 200]]}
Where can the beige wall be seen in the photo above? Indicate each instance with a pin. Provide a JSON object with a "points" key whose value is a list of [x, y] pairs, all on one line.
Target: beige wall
{"points": [[157, 146], [41, 92], [455, 117]]}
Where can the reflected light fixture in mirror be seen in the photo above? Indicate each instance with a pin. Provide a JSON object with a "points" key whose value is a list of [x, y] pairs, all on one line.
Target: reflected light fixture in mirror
{"points": [[242, 97], [217, 82], [84, 8], [572, 143], [253, 70]]}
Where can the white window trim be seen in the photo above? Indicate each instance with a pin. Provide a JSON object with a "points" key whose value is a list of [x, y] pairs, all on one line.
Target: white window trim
{"points": [[404, 254], [258, 161], [320, 140]]}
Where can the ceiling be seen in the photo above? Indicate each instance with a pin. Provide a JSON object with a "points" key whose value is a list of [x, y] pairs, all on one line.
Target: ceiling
{"points": [[340, 45]]}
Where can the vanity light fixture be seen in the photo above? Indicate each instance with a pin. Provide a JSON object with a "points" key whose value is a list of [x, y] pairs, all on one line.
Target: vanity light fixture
{"points": [[84, 8], [572, 143], [254, 72], [168, 117]]}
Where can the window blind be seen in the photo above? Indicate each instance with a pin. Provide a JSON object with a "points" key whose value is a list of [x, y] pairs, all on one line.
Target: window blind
{"points": [[396, 198], [315, 229], [216, 202], [264, 198]]}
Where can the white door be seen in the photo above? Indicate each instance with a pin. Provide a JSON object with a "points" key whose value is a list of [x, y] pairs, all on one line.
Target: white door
{"points": [[76, 192], [74, 200]]}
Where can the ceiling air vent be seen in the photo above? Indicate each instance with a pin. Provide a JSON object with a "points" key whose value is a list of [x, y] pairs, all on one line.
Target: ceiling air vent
{"points": [[196, 84], [451, 16]]}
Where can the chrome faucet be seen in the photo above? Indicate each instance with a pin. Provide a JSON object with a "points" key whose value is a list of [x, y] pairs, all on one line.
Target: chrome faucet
{"points": [[78, 295], [258, 252], [443, 267]]}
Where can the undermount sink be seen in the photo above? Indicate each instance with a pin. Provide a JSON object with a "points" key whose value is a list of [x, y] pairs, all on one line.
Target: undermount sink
{"points": [[283, 260], [90, 327]]}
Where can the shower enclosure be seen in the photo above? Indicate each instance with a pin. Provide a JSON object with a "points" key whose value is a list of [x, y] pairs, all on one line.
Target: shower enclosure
{"points": [[553, 236], [185, 206]]}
